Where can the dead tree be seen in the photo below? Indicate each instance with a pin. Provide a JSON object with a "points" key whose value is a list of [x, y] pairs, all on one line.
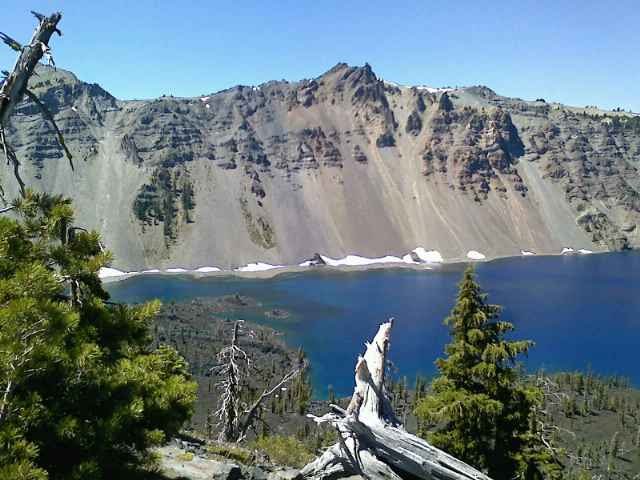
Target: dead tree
{"points": [[13, 87], [231, 370], [371, 441], [236, 417]]}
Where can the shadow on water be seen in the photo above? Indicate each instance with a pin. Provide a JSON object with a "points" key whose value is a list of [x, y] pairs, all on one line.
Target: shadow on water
{"points": [[582, 311]]}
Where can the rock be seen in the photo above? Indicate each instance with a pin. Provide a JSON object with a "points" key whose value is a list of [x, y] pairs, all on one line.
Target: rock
{"points": [[444, 103], [255, 473], [358, 154], [176, 462], [225, 471], [477, 150], [285, 145], [386, 140], [414, 123], [285, 474], [316, 261], [603, 230]]}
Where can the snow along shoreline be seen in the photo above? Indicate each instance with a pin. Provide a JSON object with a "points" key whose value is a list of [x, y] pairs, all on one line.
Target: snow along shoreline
{"points": [[418, 258]]}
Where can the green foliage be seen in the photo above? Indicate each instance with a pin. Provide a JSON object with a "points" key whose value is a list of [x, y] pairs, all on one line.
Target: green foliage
{"points": [[260, 230], [230, 452], [593, 422], [188, 199], [185, 457], [158, 201], [84, 396], [331, 394], [284, 450], [479, 410]]}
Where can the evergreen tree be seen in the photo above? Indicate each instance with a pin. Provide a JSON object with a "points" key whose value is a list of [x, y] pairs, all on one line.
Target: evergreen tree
{"points": [[479, 410], [82, 393]]}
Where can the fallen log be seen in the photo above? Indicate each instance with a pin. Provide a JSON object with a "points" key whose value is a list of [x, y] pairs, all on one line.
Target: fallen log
{"points": [[371, 441]]}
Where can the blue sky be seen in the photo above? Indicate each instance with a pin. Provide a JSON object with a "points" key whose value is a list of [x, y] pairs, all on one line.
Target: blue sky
{"points": [[577, 52]]}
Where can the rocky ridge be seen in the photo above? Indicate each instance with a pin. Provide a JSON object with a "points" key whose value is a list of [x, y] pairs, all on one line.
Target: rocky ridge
{"points": [[345, 163]]}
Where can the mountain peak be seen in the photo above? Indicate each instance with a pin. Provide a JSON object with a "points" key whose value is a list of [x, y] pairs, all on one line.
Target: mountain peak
{"points": [[344, 71]]}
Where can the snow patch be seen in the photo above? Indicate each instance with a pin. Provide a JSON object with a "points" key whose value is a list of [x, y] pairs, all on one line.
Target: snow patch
{"points": [[434, 89], [176, 270], [107, 272], [475, 255], [204, 99], [356, 260], [409, 259], [428, 256], [74, 109], [208, 106], [526, 253], [584, 251], [153, 270], [207, 269], [257, 267]]}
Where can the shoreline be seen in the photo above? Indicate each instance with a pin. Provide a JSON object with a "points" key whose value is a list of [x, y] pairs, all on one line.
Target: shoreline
{"points": [[270, 271]]}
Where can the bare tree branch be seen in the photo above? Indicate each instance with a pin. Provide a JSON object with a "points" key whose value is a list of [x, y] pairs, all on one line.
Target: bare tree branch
{"points": [[14, 86], [251, 412], [47, 114], [236, 420], [11, 159], [11, 42]]}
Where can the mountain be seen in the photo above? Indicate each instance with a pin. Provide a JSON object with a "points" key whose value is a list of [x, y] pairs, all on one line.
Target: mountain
{"points": [[342, 164]]}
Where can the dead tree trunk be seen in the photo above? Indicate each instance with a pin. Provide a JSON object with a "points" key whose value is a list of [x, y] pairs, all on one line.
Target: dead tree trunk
{"points": [[372, 442], [236, 417], [14, 87], [229, 411]]}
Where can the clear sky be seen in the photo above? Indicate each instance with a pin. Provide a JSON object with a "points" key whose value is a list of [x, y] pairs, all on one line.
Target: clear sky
{"points": [[579, 52]]}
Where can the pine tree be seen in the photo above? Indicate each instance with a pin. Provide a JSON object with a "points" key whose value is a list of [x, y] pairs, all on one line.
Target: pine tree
{"points": [[82, 393], [480, 411]]}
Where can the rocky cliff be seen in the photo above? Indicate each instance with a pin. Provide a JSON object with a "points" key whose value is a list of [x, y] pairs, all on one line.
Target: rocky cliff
{"points": [[342, 164]]}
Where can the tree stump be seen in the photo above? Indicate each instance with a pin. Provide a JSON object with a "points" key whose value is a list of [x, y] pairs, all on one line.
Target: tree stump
{"points": [[372, 442]]}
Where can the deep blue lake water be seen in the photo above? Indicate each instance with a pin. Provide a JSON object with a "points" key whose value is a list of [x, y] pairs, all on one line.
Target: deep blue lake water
{"points": [[582, 311]]}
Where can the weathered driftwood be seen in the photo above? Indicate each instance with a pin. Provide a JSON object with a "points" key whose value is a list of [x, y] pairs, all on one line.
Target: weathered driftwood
{"points": [[372, 442], [14, 87]]}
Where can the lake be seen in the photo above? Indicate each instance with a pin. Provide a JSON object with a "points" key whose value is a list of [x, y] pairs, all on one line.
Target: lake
{"points": [[582, 311]]}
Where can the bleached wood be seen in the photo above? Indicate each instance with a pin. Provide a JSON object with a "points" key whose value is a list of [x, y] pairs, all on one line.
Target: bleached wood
{"points": [[14, 86], [372, 442]]}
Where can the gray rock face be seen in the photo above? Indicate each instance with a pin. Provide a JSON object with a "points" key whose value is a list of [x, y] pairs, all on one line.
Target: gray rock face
{"points": [[341, 164], [226, 471]]}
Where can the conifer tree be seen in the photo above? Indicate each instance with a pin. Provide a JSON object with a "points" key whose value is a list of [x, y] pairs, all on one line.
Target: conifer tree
{"points": [[82, 393], [479, 411]]}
